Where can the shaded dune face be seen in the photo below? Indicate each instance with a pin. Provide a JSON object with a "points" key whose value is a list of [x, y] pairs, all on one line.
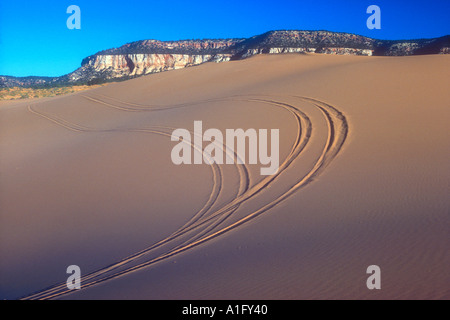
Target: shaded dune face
{"points": [[87, 179]]}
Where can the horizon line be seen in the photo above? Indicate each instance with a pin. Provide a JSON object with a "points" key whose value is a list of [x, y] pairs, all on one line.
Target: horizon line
{"points": [[218, 39]]}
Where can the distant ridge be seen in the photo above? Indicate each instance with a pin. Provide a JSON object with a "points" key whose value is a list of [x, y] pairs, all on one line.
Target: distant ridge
{"points": [[150, 56]]}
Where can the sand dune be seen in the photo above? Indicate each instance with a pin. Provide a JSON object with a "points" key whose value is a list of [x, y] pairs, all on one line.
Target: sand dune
{"points": [[87, 179]]}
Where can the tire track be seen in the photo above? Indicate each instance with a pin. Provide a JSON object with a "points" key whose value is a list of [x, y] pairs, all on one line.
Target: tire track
{"points": [[211, 221], [217, 186]]}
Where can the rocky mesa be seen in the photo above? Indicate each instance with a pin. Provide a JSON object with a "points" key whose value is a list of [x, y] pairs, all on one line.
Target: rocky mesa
{"points": [[149, 56]]}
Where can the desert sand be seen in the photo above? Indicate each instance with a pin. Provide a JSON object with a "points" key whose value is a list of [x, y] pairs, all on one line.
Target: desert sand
{"points": [[87, 179]]}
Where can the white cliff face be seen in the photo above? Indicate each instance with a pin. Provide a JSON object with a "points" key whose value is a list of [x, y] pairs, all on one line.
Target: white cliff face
{"points": [[338, 51], [346, 51], [114, 66], [123, 65], [110, 61], [140, 64], [291, 50]]}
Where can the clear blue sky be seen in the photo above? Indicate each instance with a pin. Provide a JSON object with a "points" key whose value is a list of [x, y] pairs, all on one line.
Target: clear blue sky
{"points": [[34, 38]]}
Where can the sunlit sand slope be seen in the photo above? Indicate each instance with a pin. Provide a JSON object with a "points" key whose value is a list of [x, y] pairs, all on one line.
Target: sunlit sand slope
{"points": [[87, 179]]}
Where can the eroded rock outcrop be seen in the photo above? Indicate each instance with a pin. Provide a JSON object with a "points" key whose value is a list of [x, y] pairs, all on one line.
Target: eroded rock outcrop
{"points": [[150, 56], [120, 65]]}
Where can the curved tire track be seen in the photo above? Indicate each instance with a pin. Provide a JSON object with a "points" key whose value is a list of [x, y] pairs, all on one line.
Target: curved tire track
{"points": [[212, 223]]}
